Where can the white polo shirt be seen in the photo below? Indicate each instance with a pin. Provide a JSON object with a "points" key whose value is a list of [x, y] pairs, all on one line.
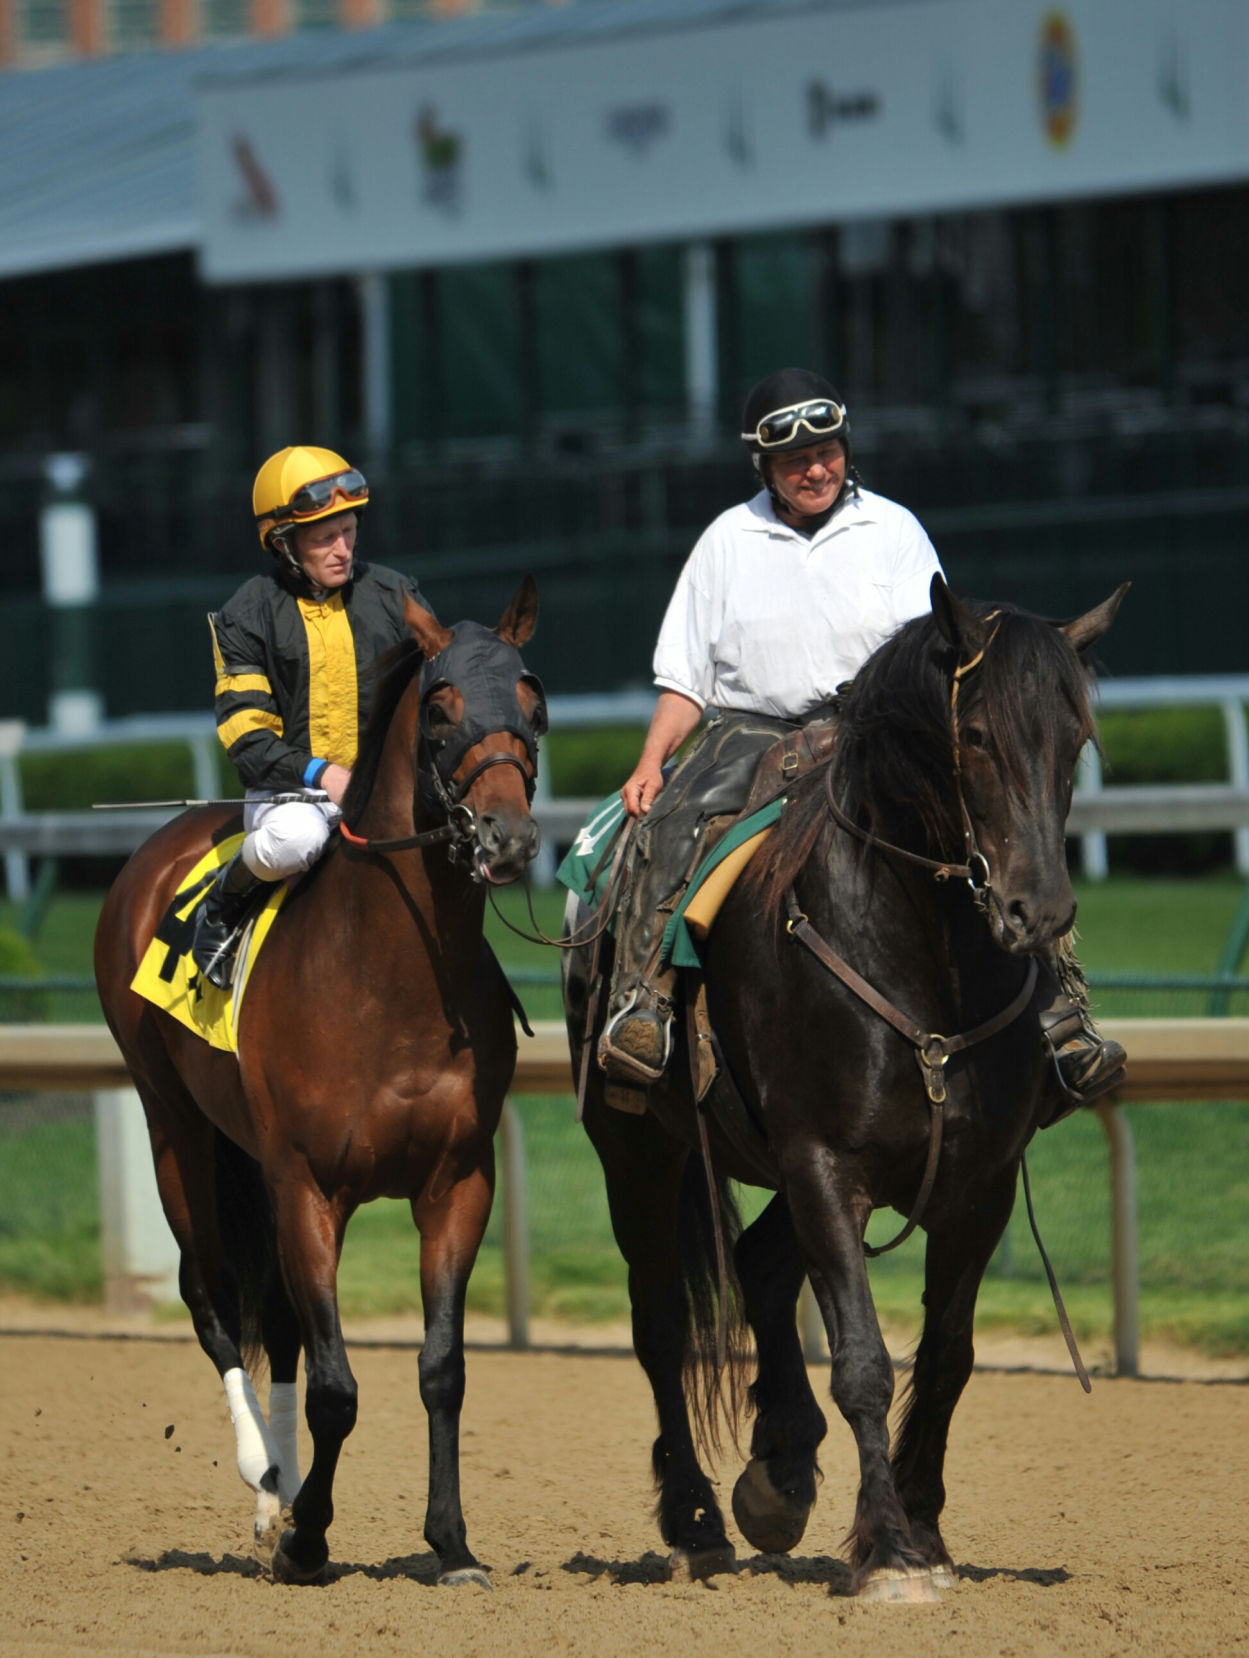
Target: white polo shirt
{"points": [[768, 622]]}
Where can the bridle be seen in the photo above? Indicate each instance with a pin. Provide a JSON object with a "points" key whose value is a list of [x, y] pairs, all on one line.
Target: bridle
{"points": [[438, 757], [975, 870]]}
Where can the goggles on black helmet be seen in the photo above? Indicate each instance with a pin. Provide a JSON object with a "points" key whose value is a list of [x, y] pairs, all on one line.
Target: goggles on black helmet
{"points": [[821, 417], [320, 493]]}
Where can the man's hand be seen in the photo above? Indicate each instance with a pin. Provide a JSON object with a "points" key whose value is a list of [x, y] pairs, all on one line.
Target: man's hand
{"points": [[334, 780], [674, 718], [640, 791]]}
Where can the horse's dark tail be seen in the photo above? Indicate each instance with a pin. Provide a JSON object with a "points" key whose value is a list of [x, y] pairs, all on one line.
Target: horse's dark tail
{"points": [[248, 1241], [714, 1394]]}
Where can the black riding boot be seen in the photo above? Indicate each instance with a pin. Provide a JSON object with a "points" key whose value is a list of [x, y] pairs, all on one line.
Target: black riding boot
{"points": [[1087, 1063], [220, 920], [637, 1039]]}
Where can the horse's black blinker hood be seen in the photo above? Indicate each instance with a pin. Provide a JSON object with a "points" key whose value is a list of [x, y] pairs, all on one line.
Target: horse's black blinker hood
{"points": [[486, 670]]}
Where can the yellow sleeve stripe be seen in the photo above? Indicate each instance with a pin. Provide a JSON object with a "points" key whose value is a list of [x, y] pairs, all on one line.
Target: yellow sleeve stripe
{"points": [[249, 719], [242, 682]]}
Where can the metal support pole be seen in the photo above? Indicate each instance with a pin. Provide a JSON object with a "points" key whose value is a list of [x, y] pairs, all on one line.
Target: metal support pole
{"points": [[16, 868], [375, 399], [515, 1227], [1123, 1240], [1093, 845], [1238, 771], [701, 357], [811, 1325]]}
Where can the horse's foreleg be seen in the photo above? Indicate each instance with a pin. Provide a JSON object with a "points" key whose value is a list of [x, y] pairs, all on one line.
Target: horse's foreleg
{"points": [[957, 1255], [829, 1216], [282, 1344], [644, 1169], [310, 1235], [775, 1495], [452, 1223]]}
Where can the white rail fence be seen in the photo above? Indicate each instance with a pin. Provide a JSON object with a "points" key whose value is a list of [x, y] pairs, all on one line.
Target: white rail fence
{"points": [[1169, 1060], [1097, 810]]}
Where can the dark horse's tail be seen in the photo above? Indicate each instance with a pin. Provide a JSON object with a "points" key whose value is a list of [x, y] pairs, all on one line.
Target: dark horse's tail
{"points": [[713, 1392], [248, 1241]]}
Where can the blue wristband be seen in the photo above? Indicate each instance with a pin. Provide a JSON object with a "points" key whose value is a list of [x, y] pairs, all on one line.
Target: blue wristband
{"points": [[314, 771]]}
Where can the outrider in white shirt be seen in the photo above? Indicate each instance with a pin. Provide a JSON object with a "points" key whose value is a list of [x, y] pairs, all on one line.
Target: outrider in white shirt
{"points": [[767, 621]]}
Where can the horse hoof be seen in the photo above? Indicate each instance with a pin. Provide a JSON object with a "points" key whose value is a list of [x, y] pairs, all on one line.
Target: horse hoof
{"points": [[696, 1565], [266, 1530], [286, 1569], [900, 1586], [769, 1520], [465, 1574], [944, 1577]]}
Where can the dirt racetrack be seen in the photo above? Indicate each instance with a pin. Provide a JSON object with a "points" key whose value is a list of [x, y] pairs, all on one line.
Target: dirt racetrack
{"points": [[1108, 1525]]}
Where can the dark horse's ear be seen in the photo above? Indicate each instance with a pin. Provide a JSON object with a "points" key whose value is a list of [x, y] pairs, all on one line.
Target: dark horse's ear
{"points": [[429, 633], [521, 616], [1086, 630], [956, 622]]}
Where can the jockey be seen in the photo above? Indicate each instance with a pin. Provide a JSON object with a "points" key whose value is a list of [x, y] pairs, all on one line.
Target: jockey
{"points": [[782, 599], [291, 651]]}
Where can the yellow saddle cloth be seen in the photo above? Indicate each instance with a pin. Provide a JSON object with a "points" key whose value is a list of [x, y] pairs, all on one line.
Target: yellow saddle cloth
{"points": [[167, 976]]}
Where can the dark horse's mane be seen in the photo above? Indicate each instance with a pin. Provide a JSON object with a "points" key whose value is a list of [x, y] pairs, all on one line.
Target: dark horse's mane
{"points": [[393, 673], [894, 756]]}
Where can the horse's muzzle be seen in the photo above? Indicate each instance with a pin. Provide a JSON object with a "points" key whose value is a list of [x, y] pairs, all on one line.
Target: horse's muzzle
{"points": [[505, 845]]}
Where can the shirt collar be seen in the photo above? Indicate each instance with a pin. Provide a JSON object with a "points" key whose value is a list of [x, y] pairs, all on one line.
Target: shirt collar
{"points": [[856, 507]]}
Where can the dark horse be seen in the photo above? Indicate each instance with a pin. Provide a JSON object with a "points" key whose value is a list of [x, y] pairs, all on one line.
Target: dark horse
{"points": [[375, 1047], [831, 1091]]}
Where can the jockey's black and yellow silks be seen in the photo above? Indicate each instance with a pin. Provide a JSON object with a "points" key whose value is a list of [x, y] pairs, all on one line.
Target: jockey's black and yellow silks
{"points": [[293, 685]]}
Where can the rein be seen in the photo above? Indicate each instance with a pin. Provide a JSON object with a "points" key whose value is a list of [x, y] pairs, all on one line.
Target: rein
{"points": [[461, 824], [932, 1051]]}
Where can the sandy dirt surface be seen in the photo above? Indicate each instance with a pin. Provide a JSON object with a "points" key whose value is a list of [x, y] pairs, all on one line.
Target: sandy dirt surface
{"points": [[1108, 1525]]}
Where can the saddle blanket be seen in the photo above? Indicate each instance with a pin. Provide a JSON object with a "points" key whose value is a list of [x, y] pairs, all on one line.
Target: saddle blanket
{"points": [[585, 871], [169, 979]]}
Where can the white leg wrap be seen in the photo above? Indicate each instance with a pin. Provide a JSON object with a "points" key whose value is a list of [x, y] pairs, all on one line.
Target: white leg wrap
{"points": [[284, 1428], [257, 1452]]}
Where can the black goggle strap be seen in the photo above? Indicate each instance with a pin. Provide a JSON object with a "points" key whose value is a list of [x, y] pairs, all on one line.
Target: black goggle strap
{"points": [[821, 416], [311, 497]]}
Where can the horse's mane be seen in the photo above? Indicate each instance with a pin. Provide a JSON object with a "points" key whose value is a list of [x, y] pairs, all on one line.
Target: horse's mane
{"points": [[393, 673], [894, 750]]}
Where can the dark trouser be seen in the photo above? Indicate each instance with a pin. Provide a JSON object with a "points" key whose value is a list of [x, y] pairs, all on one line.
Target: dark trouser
{"points": [[702, 795]]}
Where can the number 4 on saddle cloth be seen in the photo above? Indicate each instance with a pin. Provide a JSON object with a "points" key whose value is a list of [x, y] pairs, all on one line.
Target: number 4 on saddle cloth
{"points": [[718, 804], [169, 978]]}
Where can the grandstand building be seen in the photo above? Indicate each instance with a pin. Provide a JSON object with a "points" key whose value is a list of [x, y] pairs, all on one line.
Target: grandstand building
{"points": [[524, 263]]}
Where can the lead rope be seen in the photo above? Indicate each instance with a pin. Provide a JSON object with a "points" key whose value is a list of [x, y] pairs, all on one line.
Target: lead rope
{"points": [[1064, 1322]]}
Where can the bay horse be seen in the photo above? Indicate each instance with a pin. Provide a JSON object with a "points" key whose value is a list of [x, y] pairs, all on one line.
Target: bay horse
{"points": [[375, 1047], [962, 731]]}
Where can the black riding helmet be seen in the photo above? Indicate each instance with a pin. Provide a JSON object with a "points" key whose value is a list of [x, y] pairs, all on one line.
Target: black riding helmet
{"points": [[792, 409]]}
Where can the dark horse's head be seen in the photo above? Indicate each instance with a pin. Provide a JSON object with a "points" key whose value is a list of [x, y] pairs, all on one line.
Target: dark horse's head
{"points": [[475, 714], [964, 731]]}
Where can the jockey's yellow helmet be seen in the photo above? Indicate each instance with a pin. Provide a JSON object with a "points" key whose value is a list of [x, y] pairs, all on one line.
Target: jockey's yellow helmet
{"points": [[301, 484]]}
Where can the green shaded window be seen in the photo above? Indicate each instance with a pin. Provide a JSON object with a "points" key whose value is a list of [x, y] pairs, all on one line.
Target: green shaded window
{"points": [[44, 22], [223, 18], [476, 378], [316, 14], [577, 305], [133, 23]]}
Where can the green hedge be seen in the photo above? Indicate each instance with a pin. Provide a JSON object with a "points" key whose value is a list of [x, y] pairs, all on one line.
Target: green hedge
{"points": [[19, 961]]}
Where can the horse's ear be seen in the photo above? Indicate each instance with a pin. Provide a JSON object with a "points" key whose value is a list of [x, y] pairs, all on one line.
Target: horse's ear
{"points": [[429, 634], [521, 616], [1086, 630], [956, 622]]}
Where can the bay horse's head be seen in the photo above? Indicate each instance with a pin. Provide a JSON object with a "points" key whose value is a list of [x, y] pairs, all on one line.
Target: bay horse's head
{"points": [[1019, 691], [481, 715]]}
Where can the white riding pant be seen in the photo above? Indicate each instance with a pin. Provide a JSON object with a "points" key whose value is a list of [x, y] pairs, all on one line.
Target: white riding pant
{"points": [[285, 837]]}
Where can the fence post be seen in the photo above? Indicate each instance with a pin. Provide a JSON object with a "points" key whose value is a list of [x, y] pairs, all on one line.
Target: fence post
{"points": [[1093, 845], [1238, 772], [515, 1227], [1123, 1240], [138, 1254], [811, 1325]]}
